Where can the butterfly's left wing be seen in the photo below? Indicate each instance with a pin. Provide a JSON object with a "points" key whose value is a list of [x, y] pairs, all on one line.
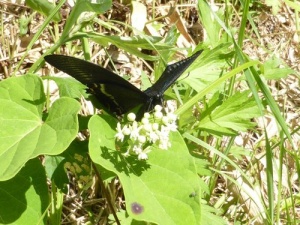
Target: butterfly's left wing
{"points": [[112, 91]]}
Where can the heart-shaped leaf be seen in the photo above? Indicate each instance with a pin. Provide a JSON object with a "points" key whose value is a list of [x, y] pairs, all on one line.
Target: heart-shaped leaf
{"points": [[23, 134], [163, 190], [25, 198]]}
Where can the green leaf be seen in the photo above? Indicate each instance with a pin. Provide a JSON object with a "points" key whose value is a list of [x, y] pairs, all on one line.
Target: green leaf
{"points": [[24, 198], [273, 69], [275, 4], [232, 116], [201, 167], [172, 36], [207, 68], [69, 87], [75, 160], [159, 190], [23, 134], [98, 6], [294, 5], [77, 18], [23, 24], [55, 170], [211, 25], [44, 7], [131, 44], [239, 152]]}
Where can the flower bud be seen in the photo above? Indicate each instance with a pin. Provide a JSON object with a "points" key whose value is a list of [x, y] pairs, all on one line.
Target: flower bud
{"points": [[131, 117], [158, 108]]}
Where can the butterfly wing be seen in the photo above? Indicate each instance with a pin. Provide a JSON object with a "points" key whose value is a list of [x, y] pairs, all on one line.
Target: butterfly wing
{"points": [[116, 94], [169, 76]]}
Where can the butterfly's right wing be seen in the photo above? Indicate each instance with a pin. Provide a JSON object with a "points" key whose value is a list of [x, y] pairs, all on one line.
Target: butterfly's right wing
{"points": [[116, 94], [170, 75]]}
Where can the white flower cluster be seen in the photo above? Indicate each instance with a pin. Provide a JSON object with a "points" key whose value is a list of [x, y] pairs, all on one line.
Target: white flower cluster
{"points": [[146, 132]]}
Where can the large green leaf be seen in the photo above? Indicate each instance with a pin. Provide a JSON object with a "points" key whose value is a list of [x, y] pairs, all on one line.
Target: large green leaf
{"points": [[232, 116], [206, 68], [210, 24], [24, 198], [82, 12], [23, 134], [163, 190], [275, 69], [44, 7], [69, 87], [74, 160], [130, 44]]}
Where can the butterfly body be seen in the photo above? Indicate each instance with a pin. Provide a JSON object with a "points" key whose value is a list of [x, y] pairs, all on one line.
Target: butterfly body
{"points": [[115, 93]]}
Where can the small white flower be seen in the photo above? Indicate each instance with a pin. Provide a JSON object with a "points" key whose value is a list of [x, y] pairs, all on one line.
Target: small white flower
{"points": [[169, 108], [165, 120], [147, 127], [164, 138], [119, 136], [147, 115], [141, 139], [137, 149], [172, 116], [155, 126], [152, 129], [135, 131], [126, 130], [158, 108], [172, 126], [153, 137], [164, 132], [164, 144], [131, 117], [145, 120], [158, 114], [142, 156]]}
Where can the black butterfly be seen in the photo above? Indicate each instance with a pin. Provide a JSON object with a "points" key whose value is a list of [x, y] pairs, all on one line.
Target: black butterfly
{"points": [[114, 92]]}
